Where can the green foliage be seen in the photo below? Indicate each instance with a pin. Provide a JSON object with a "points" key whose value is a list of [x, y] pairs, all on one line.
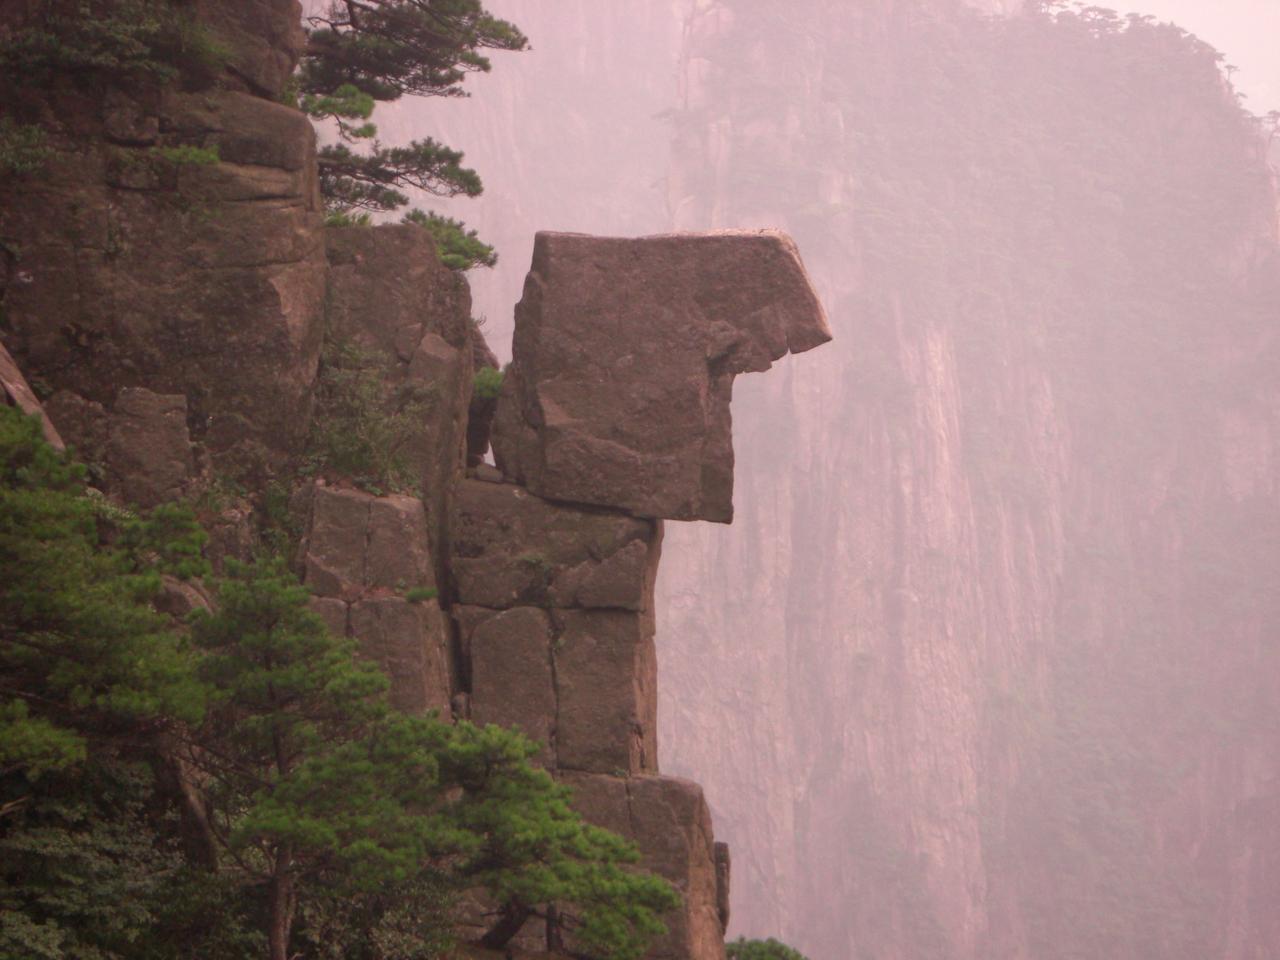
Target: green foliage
{"points": [[376, 178], [342, 218], [379, 51], [120, 40], [344, 104], [243, 786], [389, 48], [335, 802], [421, 594], [88, 672], [187, 155], [23, 149], [771, 949], [81, 650], [488, 383], [365, 425], [84, 872], [459, 248]]}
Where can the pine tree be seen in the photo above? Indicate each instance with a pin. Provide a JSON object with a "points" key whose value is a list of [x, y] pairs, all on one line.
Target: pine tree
{"points": [[91, 677], [323, 795], [360, 52]]}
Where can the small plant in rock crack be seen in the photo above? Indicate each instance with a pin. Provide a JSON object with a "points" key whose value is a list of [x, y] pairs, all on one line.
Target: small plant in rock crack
{"points": [[421, 594], [488, 383], [366, 425]]}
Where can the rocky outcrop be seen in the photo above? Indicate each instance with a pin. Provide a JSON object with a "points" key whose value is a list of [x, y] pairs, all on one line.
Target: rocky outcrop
{"points": [[511, 548], [563, 597], [16, 392], [264, 39], [368, 564], [143, 264], [389, 295], [171, 294], [625, 355], [668, 819], [148, 452]]}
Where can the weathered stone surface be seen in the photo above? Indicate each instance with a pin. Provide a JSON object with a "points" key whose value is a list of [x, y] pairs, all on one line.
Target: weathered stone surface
{"points": [[410, 642], [387, 287], [15, 390], [625, 354], [510, 548], [140, 272], [359, 543], [81, 423], [668, 819], [361, 557], [606, 678], [389, 293], [231, 534], [334, 558], [264, 38], [512, 681], [129, 121], [149, 459], [397, 556], [333, 612], [477, 911], [724, 872]]}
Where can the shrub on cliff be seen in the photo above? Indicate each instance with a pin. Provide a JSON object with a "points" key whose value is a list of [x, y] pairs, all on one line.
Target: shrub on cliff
{"points": [[365, 426], [459, 248], [771, 949], [82, 652]]}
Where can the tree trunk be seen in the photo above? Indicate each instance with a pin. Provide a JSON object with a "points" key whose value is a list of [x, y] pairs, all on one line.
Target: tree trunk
{"points": [[513, 917], [555, 938], [281, 906]]}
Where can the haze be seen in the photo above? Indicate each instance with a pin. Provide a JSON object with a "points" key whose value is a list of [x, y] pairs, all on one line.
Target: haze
{"points": [[988, 665]]}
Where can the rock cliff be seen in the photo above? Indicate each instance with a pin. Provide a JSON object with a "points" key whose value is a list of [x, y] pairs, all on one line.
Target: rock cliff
{"points": [[195, 332], [990, 676]]}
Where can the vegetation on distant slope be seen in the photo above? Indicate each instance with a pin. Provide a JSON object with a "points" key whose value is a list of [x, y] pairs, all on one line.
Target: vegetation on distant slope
{"points": [[238, 785], [380, 50], [771, 949]]}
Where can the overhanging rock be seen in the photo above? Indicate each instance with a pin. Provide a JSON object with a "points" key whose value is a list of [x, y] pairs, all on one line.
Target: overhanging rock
{"points": [[626, 350]]}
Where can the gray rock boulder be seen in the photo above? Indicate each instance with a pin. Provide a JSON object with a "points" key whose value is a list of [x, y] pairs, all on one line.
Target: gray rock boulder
{"points": [[149, 457], [625, 353], [668, 819], [15, 391], [510, 548]]}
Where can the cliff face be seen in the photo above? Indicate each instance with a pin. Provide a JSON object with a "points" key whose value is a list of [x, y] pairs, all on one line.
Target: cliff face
{"points": [[1012, 541], [196, 333]]}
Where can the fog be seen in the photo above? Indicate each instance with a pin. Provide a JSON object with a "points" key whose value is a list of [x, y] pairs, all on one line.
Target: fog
{"points": [[988, 665]]}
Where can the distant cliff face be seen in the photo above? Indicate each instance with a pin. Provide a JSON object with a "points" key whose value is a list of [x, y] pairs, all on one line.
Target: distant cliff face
{"points": [[994, 673]]}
